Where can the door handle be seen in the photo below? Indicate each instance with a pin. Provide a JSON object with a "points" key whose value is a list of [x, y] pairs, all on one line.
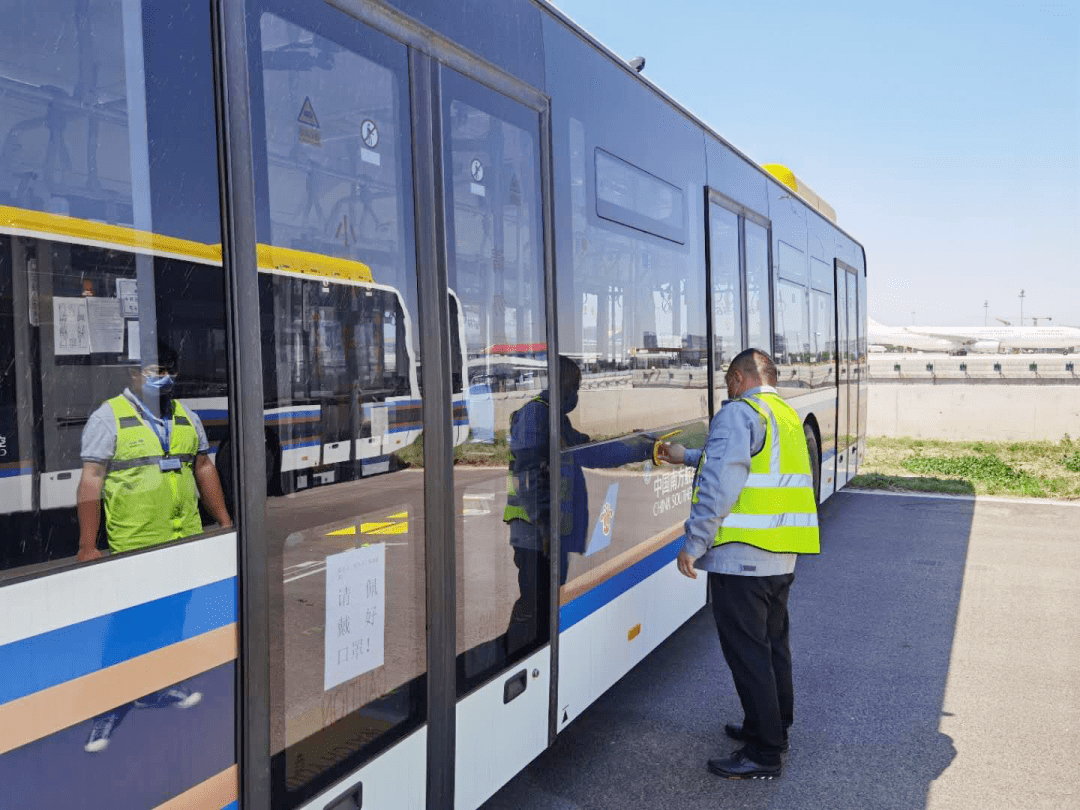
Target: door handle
{"points": [[514, 686]]}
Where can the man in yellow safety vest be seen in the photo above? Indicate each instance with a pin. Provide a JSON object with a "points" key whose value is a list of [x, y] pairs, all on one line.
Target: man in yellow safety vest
{"points": [[145, 456], [753, 511]]}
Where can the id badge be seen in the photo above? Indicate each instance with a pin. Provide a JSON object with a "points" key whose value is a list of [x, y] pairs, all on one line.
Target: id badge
{"points": [[169, 464]]}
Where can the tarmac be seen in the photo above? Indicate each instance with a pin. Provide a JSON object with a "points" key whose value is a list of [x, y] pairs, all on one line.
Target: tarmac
{"points": [[936, 662]]}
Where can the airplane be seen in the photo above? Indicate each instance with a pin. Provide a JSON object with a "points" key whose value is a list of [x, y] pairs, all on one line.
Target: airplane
{"points": [[962, 339]]}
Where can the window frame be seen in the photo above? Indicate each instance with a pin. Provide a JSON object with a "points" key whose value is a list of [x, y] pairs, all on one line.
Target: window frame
{"points": [[745, 214], [612, 212]]}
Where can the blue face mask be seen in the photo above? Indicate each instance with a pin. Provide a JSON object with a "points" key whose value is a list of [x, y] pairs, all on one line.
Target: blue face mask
{"points": [[570, 402], [159, 383]]}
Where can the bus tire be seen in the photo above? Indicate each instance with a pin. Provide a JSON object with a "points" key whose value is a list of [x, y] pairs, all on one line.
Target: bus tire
{"points": [[814, 450]]}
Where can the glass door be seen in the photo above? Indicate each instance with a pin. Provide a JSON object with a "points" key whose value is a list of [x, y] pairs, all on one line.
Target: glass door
{"points": [[494, 241], [847, 394], [344, 514]]}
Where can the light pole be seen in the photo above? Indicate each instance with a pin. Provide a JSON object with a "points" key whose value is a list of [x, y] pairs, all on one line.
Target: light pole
{"points": [[986, 313], [912, 317], [1021, 307]]}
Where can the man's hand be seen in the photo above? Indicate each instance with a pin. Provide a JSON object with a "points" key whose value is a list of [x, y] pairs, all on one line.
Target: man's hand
{"points": [[87, 554], [686, 565], [671, 453]]}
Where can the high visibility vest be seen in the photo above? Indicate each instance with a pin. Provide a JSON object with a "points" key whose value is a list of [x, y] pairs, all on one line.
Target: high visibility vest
{"points": [[776, 510], [144, 505], [515, 503]]}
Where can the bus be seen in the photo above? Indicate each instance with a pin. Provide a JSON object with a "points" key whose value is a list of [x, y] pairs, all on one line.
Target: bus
{"points": [[371, 232]]}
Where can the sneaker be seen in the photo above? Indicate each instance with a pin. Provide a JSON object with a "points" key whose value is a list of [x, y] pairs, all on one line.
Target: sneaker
{"points": [[175, 696], [99, 735]]}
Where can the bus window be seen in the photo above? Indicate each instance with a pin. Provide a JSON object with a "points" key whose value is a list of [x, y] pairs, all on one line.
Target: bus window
{"points": [[726, 283], [113, 406], [495, 272], [758, 298], [792, 338]]}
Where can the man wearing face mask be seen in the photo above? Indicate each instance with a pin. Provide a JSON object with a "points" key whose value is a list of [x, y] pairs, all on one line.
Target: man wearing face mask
{"points": [[145, 456], [535, 498]]}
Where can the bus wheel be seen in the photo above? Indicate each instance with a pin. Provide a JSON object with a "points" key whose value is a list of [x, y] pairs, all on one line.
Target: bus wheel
{"points": [[815, 459]]}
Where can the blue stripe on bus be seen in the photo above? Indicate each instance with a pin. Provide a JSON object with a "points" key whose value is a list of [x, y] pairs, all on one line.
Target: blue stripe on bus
{"points": [[300, 443], [277, 417], [592, 600], [828, 455], [46, 660], [209, 413], [11, 472]]}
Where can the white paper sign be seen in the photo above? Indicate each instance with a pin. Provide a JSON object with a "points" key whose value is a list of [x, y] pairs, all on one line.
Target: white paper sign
{"points": [[355, 613], [380, 420], [134, 351], [106, 325], [127, 290], [71, 328]]}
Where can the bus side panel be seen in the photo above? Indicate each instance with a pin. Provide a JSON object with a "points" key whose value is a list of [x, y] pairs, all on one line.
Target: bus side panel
{"points": [[108, 641], [609, 629]]}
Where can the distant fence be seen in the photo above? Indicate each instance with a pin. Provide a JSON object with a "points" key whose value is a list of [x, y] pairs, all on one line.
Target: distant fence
{"points": [[976, 412], [1008, 369]]}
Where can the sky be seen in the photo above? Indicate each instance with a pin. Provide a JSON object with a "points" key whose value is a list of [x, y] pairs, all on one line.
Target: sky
{"points": [[945, 135]]}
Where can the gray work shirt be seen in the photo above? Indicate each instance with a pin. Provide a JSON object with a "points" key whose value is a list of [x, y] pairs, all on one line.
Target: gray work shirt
{"points": [[99, 435], [737, 432]]}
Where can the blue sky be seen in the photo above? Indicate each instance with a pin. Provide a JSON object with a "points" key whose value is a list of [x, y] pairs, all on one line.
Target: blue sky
{"points": [[946, 136]]}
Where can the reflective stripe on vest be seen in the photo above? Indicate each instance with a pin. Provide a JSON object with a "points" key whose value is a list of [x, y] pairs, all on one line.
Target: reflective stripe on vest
{"points": [[515, 509], [145, 506], [776, 510]]}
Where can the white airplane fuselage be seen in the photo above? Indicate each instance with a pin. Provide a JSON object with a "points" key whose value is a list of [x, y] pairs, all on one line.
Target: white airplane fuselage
{"points": [[975, 338]]}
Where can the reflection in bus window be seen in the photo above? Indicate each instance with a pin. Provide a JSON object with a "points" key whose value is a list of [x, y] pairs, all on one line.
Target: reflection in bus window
{"points": [[495, 272], [758, 310], [113, 391], [792, 339], [341, 359], [727, 295], [632, 315]]}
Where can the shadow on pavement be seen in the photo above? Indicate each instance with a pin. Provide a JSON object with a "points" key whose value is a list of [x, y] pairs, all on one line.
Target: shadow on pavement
{"points": [[873, 621]]}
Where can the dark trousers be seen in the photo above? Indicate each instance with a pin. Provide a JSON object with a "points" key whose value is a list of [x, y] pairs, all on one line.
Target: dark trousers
{"points": [[752, 620]]}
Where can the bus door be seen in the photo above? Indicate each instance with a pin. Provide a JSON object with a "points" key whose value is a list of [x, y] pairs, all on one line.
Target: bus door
{"points": [[847, 376], [340, 342], [495, 269]]}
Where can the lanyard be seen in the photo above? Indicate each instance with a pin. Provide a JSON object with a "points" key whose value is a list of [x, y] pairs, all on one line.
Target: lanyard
{"points": [[153, 422]]}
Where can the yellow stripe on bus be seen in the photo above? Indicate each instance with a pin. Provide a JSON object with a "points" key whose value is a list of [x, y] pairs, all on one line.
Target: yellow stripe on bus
{"points": [[43, 713], [85, 230], [270, 257]]}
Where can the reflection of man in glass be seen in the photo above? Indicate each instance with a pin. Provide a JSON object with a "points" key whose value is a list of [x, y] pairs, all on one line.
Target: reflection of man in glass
{"points": [[529, 507], [146, 457]]}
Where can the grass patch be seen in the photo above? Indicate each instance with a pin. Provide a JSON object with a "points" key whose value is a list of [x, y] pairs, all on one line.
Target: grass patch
{"points": [[1026, 469], [496, 454]]}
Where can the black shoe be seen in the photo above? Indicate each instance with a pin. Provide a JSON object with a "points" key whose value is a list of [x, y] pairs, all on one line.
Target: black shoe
{"points": [[739, 766], [736, 733]]}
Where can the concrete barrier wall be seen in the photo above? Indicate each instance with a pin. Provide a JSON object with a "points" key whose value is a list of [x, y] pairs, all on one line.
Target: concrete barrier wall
{"points": [[974, 412]]}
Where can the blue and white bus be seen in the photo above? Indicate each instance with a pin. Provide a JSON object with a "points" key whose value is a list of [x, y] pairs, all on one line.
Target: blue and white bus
{"points": [[369, 230]]}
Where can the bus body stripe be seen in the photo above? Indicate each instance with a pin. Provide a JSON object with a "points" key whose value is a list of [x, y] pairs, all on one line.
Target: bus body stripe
{"points": [[220, 790], [595, 598], [46, 660], [53, 709]]}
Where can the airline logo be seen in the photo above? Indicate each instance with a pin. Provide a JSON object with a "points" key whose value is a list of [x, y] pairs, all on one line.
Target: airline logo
{"points": [[605, 522]]}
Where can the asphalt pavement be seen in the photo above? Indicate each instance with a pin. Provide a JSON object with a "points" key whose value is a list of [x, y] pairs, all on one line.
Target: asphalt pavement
{"points": [[936, 661]]}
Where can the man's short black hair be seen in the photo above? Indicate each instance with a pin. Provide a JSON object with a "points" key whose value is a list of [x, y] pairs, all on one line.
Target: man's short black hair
{"points": [[755, 363]]}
